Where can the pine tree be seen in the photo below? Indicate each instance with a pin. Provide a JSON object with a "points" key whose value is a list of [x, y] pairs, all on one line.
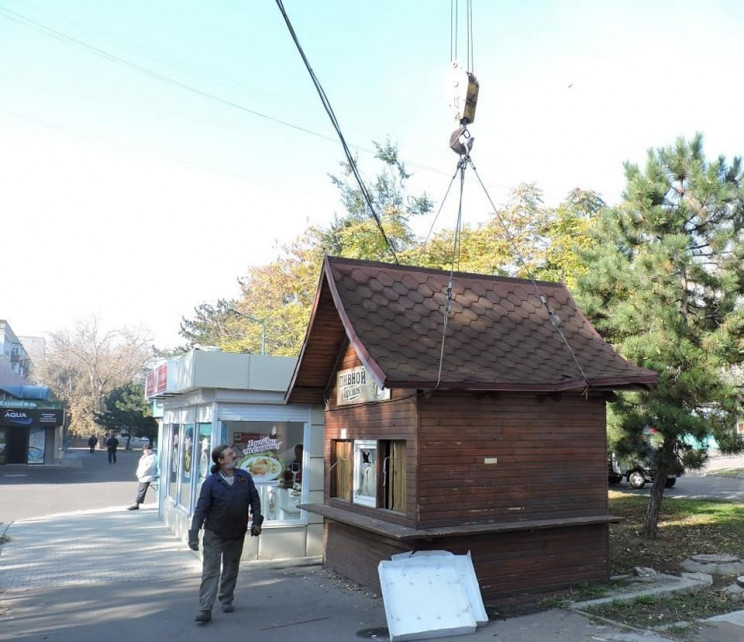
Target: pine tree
{"points": [[664, 285]]}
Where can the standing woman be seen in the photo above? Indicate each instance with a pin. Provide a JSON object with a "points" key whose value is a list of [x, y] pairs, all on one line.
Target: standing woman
{"points": [[227, 497], [147, 471]]}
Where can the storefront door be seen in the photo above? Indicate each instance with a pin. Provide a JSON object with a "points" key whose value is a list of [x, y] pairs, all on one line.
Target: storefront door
{"points": [[16, 444]]}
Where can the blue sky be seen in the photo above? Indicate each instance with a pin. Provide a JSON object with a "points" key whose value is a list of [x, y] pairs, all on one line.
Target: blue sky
{"points": [[127, 193]]}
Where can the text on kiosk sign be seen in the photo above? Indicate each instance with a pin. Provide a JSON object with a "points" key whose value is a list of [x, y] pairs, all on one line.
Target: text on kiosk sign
{"points": [[354, 385]]}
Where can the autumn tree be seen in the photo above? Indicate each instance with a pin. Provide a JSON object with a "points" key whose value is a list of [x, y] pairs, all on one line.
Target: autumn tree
{"points": [[568, 231], [85, 363], [664, 285]]}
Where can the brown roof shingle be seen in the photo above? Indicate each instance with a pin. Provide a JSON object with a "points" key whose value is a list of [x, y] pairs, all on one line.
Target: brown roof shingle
{"points": [[498, 334]]}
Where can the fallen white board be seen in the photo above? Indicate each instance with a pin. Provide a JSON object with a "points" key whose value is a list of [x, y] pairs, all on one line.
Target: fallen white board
{"points": [[464, 566], [424, 601]]}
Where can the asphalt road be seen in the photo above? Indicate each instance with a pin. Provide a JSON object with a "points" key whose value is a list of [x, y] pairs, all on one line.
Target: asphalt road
{"points": [[703, 483], [86, 481], [89, 482]]}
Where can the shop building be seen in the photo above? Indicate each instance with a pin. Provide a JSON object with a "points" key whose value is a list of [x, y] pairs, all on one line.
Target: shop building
{"points": [[31, 425], [31, 420], [208, 398], [463, 412]]}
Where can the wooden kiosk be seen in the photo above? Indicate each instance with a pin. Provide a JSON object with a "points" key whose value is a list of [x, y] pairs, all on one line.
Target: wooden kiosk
{"points": [[483, 434]]}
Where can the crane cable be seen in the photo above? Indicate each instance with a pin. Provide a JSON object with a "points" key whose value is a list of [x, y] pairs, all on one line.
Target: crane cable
{"points": [[454, 32], [461, 142], [334, 121]]}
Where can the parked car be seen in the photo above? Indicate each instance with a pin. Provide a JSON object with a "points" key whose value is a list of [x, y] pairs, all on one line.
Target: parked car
{"points": [[637, 473], [139, 442], [614, 475]]}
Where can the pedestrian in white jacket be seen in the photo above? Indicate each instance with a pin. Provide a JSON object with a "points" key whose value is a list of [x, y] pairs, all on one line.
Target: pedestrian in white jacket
{"points": [[147, 472]]}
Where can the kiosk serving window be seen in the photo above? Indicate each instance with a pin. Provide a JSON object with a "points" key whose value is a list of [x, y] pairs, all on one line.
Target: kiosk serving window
{"points": [[273, 453], [370, 472]]}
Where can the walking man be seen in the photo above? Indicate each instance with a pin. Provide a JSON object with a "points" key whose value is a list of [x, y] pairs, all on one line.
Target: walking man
{"points": [[147, 471], [92, 443], [223, 509], [112, 443]]}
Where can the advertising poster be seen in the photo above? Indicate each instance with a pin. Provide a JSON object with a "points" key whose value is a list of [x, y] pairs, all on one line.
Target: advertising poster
{"points": [[36, 445], [259, 457]]}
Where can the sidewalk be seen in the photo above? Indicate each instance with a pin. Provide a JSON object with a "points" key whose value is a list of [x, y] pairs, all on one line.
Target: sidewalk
{"points": [[119, 575]]}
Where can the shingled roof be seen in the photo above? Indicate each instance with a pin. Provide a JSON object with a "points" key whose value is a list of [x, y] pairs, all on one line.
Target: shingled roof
{"points": [[498, 335]]}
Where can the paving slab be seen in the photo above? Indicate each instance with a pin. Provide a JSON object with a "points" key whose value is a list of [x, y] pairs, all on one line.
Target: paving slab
{"points": [[118, 576]]}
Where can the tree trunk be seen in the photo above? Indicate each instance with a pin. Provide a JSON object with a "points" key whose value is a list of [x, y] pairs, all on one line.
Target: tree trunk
{"points": [[653, 508]]}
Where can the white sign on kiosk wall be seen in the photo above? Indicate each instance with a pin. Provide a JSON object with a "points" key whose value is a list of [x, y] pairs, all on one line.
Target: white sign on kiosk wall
{"points": [[355, 385]]}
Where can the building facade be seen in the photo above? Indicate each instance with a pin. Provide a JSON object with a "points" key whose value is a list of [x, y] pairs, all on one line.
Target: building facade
{"points": [[31, 421]]}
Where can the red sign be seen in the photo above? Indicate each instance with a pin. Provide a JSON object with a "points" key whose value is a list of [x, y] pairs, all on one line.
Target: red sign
{"points": [[156, 381]]}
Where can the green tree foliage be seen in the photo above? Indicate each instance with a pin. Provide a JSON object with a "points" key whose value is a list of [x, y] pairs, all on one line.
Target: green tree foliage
{"points": [[355, 233], [209, 325], [511, 243], [664, 285], [568, 231], [126, 409]]}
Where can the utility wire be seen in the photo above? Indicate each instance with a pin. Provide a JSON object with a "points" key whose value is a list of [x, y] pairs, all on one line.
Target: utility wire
{"points": [[15, 17], [18, 18], [334, 121]]}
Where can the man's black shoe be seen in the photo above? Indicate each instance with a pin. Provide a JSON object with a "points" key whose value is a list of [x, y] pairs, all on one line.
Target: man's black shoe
{"points": [[133, 507], [203, 616], [227, 608]]}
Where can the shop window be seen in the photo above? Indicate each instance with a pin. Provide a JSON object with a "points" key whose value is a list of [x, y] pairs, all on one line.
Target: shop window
{"points": [[273, 453], [204, 450], [172, 463], [187, 465], [370, 473]]}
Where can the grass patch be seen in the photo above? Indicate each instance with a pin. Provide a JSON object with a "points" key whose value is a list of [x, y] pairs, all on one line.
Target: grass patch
{"points": [[4, 537], [686, 527], [580, 593], [726, 472], [664, 612]]}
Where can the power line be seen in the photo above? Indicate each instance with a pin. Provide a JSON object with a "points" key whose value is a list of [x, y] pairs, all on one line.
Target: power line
{"points": [[334, 121], [20, 19], [17, 18]]}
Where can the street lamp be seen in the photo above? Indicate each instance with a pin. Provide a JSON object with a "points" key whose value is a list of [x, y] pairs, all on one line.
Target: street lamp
{"points": [[263, 327]]}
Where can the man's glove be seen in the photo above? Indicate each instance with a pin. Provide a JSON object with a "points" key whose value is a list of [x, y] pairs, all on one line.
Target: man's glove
{"points": [[256, 526], [194, 540]]}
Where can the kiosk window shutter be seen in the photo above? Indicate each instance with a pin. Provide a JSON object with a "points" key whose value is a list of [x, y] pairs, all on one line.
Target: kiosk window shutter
{"points": [[395, 476], [341, 471]]}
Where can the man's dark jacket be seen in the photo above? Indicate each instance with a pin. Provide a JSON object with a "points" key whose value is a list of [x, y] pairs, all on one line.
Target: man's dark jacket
{"points": [[223, 509]]}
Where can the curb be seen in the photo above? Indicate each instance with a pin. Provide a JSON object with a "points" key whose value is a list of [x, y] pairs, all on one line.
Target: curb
{"points": [[673, 584]]}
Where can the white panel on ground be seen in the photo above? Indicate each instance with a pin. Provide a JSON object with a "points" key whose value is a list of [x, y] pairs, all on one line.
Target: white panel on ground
{"points": [[424, 600], [466, 571]]}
